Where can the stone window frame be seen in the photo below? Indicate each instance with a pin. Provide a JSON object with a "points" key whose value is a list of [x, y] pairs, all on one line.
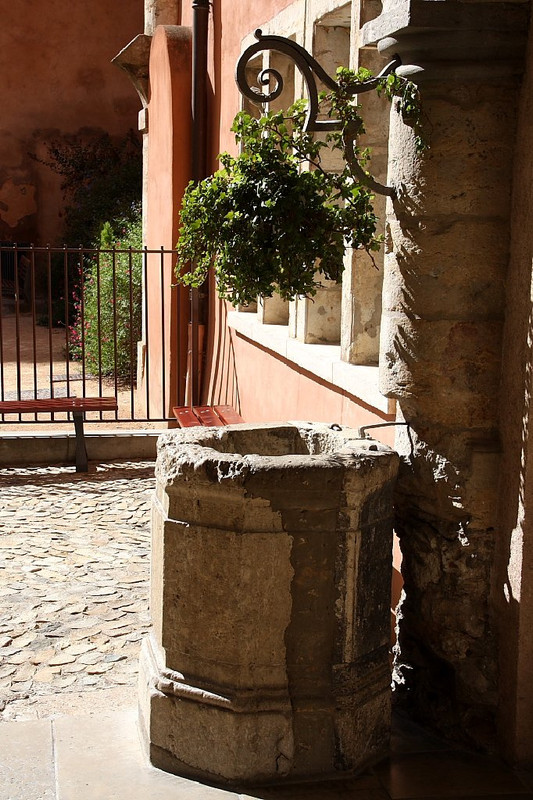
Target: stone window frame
{"points": [[345, 353]]}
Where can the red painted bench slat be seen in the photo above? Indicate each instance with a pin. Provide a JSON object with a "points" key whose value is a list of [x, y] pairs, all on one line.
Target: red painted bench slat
{"points": [[58, 405], [185, 417], [207, 416], [228, 415]]}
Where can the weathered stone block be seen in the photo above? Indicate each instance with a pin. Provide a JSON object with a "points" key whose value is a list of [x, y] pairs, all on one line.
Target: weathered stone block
{"points": [[270, 600]]}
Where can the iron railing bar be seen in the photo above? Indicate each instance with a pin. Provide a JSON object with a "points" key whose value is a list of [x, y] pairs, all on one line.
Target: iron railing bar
{"points": [[66, 290], [34, 322], [81, 318], [175, 302], [17, 321], [99, 322], [85, 422], [163, 331], [44, 249], [50, 314], [147, 343], [115, 348], [132, 353]]}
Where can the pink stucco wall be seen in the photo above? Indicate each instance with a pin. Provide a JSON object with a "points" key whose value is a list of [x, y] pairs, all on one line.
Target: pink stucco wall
{"points": [[230, 23], [57, 80], [169, 146], [259, 383]]}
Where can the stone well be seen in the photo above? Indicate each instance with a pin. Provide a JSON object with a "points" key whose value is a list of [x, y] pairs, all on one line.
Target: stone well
{"points": [[270, 601]]}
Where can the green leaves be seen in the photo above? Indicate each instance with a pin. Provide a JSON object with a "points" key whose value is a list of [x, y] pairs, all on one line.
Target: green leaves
{"points": [[408, 103], [108, 305], [102, 179], [272, 219]]}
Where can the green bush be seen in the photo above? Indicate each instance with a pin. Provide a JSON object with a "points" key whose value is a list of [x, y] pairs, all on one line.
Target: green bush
{"points": [[273, 218], [109, 305], [101, 180]]}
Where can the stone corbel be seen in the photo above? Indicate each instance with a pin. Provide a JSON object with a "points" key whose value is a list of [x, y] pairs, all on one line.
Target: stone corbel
{"points": [[134, 60], [460, 40]]}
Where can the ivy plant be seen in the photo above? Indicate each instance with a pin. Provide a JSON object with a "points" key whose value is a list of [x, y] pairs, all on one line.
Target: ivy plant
{"points": [[272, 219]]}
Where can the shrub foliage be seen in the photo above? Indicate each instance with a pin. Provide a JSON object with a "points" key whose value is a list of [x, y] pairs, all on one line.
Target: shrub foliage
{"points": [[108, 305], [102, 180], [272, 219]]}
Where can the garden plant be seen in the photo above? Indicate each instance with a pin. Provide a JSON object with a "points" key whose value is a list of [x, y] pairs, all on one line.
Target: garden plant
{"points": [[272, 219], [108, 302]]}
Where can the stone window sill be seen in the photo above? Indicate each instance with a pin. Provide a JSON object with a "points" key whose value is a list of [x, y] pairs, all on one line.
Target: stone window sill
{"points": [[321, 360]]}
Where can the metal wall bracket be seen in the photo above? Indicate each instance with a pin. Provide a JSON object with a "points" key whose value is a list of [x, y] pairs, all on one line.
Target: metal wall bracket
{"points": [[310, 70]]}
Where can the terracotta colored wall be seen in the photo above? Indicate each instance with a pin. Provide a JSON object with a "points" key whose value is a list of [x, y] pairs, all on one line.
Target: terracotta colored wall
{"points": [[237, 371], [270, 389], [57, 79], [230, 23], [169, 147]]}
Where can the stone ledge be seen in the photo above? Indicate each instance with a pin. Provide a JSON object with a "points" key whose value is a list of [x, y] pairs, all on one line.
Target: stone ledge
{"points": [[322, 360], [33, 447]]}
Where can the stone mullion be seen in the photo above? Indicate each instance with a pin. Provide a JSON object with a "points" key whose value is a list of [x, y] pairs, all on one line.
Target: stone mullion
{"points": [[448, 233], [317, 320], [363, 275]]}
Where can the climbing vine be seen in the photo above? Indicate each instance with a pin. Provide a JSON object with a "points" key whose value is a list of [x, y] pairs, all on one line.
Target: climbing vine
{"points": [[273, 219]]}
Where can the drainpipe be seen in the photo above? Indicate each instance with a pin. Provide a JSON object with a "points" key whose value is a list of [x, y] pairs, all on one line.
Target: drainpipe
{"points": [[200, 26]]}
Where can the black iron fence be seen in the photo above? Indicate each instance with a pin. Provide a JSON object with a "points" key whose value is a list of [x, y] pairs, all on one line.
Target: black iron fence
{"points": [[82, 322]]}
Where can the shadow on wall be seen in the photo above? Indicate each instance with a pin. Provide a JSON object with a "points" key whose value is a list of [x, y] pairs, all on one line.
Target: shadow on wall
{"points": [[220, 380]]}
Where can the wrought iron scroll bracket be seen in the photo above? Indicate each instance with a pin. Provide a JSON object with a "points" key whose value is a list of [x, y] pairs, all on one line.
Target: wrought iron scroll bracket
{"points": [[308, 68]]}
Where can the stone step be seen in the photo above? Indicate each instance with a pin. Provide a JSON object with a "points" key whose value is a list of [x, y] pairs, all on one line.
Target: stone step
{"points": [[91, 757]]}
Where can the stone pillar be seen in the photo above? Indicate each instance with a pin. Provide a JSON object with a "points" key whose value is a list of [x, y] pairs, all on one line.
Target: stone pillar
{"points": [[270, 602], [161, 12], [362, 280], [515, 548], [272, 310], [448, 234]]}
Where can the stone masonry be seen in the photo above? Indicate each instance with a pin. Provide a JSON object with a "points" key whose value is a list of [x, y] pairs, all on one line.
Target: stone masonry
{"points": [[74, 569], [270, 603], [448, 237]]}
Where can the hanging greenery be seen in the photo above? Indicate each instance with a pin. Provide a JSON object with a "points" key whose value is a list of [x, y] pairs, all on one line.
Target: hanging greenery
{"points": [[272, 219]]}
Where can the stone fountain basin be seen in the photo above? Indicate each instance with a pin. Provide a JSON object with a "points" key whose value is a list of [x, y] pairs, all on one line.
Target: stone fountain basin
{"points": [[270, 601]]}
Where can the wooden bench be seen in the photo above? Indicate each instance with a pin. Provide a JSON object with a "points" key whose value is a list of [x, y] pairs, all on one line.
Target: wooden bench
{"points": [[208, 416], [77, 406]]}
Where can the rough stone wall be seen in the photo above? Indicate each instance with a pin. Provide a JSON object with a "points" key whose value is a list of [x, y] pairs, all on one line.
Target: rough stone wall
{"points": [[57, 81], [513, 590], [448, 251], [441, 341]]}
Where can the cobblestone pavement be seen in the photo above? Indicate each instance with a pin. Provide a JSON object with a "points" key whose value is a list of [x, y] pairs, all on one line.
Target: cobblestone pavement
{"points": [[74, 569]]}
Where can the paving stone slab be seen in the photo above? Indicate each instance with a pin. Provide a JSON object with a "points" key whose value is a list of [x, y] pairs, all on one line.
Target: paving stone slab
{"points": [[114, 765], [26, 761], [76, 553]]}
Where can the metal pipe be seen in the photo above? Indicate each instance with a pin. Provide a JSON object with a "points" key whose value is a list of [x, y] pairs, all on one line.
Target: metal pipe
{"points": [[362, 431], [200, 26]]}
